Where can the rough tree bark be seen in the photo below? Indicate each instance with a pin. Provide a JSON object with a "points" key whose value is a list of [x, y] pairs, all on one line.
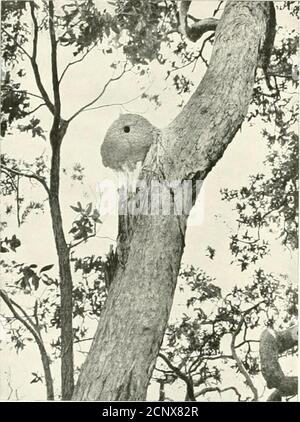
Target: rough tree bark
{"points": [[271, 345], [131, 329]]}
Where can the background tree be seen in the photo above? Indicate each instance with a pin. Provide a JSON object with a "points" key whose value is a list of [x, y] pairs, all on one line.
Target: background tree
{"points": [[221, 332]]}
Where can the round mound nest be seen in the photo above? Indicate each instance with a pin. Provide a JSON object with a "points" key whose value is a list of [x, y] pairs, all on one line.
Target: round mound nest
{"points": [[127, 142]]}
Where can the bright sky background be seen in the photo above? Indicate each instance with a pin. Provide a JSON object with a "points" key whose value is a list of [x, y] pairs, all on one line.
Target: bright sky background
{"points": [[211, 222]]}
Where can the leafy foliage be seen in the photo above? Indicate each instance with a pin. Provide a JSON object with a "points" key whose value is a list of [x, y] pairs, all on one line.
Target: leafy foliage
{"points": [[195, 347], [85, 225], [8, 244], [143, 31], [270, 200]]}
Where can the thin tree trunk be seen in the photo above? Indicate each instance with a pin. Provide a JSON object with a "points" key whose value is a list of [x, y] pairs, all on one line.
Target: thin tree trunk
{"points": [[24, 319], [67, 376], [131, 329], [271, 345]]}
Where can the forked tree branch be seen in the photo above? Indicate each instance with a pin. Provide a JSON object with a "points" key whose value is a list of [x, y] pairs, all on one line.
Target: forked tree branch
{"points": [[239, 362], [27, 322], [184, 377], [10, 171], [54, 72], [74, 62], [118, 104], [33, 60], [199, 27], [23, 91], [272, 344]]}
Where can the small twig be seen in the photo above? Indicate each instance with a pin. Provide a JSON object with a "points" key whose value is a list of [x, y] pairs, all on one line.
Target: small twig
{"points": [[198, 28], [23, 91], [55, 81], [18, 200], [239, 363], [35, 109], [83, 339], [246, 341], [71, 246], [81, 241]]}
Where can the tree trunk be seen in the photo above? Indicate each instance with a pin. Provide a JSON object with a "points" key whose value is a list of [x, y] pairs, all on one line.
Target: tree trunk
{"points": [[132, 325], [67, 369]]}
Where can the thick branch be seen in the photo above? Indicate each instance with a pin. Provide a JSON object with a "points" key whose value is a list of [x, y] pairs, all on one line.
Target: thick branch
{"points": [[199, 27], [272, 344], [188, 380], [55, 81]]}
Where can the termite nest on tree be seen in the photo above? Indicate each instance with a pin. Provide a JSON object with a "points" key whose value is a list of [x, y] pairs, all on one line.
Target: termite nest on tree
{"points": [[127, 142]]}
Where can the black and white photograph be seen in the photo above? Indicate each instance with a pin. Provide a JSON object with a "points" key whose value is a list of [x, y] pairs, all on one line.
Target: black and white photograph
{"points": [[149, 204]]}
